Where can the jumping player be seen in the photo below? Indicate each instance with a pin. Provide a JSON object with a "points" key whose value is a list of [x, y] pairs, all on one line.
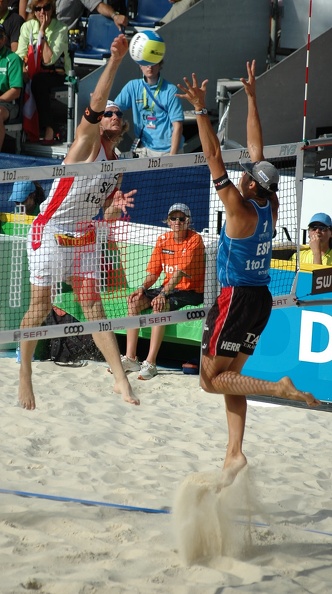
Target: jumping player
{"points": [[54, 233], [241, 311]]}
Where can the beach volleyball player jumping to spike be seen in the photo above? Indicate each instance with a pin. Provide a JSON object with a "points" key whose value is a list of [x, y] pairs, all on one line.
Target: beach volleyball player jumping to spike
{"points": [[241, 311]]}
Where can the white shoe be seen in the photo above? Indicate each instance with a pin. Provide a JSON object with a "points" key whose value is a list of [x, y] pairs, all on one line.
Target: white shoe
{"points": [[130, 364], [148, 371]]}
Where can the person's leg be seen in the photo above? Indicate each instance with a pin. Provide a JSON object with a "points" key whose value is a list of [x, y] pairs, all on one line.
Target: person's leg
{"points": [[135, 306], [157, 335], [106, 341], [222, 375], [41, 87], [40, 306], [4, 115]]}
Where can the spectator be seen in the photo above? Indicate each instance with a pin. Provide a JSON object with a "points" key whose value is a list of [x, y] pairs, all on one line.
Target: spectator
{"points": [[11, 84], [179, 254], [11, 22], [320, 241], [50, 39], [28, 194], [19, 6], [70, 11], [178, 7], [157, 113]]}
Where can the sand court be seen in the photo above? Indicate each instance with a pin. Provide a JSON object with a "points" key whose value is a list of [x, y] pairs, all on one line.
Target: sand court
{"points": [[273, 524]]}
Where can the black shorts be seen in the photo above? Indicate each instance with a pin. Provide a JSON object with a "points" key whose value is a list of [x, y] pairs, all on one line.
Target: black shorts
{"points": [[177, 299], [236, 321]]}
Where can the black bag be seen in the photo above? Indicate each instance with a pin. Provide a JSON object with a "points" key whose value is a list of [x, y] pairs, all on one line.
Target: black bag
{"points": [[71, 350]]}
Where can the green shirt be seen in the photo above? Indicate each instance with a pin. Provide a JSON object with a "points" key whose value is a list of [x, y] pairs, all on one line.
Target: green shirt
{"points": [[57, 38], [11, 74]]}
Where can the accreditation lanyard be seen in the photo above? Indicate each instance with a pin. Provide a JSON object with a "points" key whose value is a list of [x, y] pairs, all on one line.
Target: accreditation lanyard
{"points": [[154, 96], [4, 17]]}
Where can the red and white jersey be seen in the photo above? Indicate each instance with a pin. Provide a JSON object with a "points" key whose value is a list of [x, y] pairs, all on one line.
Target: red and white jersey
{"points": [[75, 199]]}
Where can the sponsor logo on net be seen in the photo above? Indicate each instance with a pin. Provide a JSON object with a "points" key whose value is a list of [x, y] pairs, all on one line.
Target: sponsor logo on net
{"points": [[74, 329], [196, 314]]}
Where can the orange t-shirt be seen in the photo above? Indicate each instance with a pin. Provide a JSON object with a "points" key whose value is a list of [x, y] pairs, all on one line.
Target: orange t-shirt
{"points": [[187, 256]]}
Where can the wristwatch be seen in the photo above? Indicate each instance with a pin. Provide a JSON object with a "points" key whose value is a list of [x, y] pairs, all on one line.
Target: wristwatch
{"points": [[114, 14], [202, 111]]}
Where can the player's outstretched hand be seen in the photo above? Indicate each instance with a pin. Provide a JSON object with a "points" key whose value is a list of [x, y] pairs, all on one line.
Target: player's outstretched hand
{"points": [[250, 83], [123, 201], [119, 47], [194, 93]]}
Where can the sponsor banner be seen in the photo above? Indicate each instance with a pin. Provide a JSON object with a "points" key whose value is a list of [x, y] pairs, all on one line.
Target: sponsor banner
{"points": [[75, 329], [321, 281], [323, 163]]}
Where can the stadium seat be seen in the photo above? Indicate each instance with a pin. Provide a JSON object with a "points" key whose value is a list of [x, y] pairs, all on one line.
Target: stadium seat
{"points": [[149, 12], [100, 33]]}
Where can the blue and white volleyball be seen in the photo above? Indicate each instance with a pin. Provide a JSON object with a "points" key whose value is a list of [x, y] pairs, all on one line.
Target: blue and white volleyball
{"points": [[147, 47]]}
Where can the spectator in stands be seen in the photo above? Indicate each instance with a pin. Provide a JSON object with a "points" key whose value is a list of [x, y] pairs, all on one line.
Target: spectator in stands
{"points": [[19, 6], [320, 241], [179, 254], [69, 12], [57, 235], [50, 39], [11, 84], [28, 194], [157, 113], [11, 22], [178, 7]]}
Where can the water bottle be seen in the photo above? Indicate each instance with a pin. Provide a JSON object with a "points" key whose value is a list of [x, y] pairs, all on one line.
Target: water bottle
{"points": [[18, 353]]}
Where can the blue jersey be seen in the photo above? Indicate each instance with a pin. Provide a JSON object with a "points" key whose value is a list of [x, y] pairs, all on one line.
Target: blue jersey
{"points": [[246, 261], [152, 116]]}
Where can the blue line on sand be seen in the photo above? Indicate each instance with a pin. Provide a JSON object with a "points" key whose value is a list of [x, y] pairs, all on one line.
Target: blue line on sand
{"points": [[84, 501], [146, 510]]}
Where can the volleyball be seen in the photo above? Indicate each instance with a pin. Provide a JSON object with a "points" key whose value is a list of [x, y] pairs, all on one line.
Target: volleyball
{"points": [[147, 47]]}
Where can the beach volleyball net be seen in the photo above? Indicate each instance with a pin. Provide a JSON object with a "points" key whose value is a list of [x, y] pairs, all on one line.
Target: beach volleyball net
{"points": [[116, 253]]}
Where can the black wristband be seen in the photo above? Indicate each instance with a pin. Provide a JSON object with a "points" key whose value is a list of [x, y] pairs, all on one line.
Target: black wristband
{"points": [[221, 182], [93, 117]]}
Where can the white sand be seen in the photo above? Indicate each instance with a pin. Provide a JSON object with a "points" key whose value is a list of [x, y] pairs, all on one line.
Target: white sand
{"points": [[271, 531]]}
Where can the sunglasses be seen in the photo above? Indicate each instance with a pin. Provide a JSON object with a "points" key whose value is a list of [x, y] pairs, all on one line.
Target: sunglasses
{"points": [[181, 219], [110, 114], [45, 8], [318, 228]]}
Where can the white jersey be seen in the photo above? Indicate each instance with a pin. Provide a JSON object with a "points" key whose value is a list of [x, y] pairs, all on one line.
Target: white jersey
{"points": [[75, 200]]}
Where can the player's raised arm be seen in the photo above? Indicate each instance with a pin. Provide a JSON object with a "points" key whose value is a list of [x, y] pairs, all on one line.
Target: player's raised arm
{"points": [[88, 133], [254, 128]]}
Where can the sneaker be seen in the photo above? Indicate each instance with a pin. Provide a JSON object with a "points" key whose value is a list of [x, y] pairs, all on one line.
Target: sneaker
{"points": [[148, 371], [130, 364]]}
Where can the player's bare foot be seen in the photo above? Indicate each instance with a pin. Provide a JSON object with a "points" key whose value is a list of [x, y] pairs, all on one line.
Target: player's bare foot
{"points": [[124, 388], [26, 396], [287, 390], [231, 469]]}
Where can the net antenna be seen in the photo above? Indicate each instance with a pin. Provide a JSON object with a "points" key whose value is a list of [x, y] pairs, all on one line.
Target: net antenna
{"points": [[307, 74]]}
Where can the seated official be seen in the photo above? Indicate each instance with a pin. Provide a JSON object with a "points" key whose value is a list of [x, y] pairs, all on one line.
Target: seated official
{"points": [[319, 250], [28, 194], [180, 255]]}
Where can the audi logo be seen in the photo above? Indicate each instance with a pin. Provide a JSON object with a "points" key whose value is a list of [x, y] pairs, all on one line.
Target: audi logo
{"points": [[196, 314], [78, 329]]}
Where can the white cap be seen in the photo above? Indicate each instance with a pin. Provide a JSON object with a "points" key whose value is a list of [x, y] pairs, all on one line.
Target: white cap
{"points": [[111, 104]]}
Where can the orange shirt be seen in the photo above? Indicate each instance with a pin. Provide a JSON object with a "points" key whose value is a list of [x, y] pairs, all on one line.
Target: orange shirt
{"points": [[187, 256]]}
